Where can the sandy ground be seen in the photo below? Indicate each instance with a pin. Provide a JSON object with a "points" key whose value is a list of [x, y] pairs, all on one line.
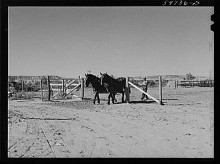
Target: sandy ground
{"points": [[183, 127]]}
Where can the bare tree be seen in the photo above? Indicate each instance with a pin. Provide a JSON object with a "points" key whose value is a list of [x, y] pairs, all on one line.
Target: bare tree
{"points": [[189, 76]]}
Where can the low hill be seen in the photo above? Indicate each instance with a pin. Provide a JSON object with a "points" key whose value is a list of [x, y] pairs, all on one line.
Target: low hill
{"points": [[168, 77]]}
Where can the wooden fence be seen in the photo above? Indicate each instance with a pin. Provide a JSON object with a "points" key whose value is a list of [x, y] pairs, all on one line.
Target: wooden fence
{"points": [[198, 83], [63, 87]]}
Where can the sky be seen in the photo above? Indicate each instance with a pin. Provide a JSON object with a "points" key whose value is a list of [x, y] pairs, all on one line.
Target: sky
{"points": [[123, 41]]}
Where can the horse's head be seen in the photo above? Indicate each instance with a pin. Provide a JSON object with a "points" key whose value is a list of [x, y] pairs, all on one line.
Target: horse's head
{"points": [[88, 79]]}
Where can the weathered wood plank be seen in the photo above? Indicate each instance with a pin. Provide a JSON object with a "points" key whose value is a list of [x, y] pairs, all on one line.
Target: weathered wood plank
{"points": [[76, 87], [144, 92], [70, 83], [160, 89]]}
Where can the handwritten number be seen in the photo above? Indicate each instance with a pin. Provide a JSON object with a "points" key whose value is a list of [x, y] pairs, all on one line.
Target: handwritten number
{"points": [[195, 3], [185, 3], [164, 3], [179, 2], [175, 2]]}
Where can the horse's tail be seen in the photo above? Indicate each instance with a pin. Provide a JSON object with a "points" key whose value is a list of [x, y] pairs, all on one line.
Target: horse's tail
{"points": [[124, 84]]}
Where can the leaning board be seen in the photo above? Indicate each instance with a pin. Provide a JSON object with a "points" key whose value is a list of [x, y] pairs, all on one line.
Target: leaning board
{"points": [[144, 92]]}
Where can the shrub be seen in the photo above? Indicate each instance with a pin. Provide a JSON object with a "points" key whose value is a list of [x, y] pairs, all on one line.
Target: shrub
{"points": [[18, 95], [189, 76]]}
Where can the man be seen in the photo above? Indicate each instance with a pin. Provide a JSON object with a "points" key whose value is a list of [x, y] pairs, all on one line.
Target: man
{"points": [[145, 87]]}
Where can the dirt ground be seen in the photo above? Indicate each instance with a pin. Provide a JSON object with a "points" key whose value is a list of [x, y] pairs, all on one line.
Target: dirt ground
{"points": [[182, 127]]}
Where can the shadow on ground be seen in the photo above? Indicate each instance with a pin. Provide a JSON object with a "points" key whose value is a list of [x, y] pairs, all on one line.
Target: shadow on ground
{"points": [[142, 102], [170, 99]]}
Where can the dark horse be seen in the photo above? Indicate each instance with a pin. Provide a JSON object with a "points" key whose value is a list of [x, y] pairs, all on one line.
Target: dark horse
{"points": [[97, 87], [113, 85]]}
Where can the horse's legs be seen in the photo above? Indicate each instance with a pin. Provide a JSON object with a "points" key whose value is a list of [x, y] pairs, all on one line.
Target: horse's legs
{"points": [[122, 97], [113, 97], [95, 97], [98, 98], [109, 98]]}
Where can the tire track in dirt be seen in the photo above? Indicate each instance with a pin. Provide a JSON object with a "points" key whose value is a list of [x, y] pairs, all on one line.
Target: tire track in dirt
{"points": [[23, 146], [32, 144], [53, 135]]}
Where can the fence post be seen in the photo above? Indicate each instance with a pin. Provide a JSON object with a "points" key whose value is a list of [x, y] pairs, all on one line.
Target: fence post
{"points": [[63, 87], [41, 88], [160, 90], [82, 88], [127, 94], [49, 89], [22, 86]]}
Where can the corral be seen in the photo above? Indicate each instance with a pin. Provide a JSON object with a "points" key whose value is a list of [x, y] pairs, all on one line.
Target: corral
{"points": [[182, 127]]}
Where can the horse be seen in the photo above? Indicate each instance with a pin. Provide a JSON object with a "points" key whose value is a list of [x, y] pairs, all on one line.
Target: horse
{"points": [[113, 85], [97, 87]]}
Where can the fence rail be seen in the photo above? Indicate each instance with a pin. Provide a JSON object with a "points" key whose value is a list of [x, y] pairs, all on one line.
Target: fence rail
{"points": [[201, 83]]}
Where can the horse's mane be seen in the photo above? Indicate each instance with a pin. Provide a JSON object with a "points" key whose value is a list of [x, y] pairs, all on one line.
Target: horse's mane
{"points": [[115, 79], [93, 76], [120, 78]]}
